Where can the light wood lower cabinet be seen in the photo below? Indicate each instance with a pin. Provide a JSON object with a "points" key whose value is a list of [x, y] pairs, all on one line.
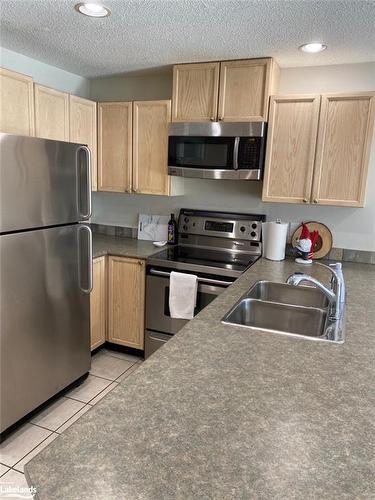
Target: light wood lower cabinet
{"points": [[51, 113], [150, 147], [126, 301], [82, 129], [16, 103], [115, 146], [98, 303], [319, 155]]}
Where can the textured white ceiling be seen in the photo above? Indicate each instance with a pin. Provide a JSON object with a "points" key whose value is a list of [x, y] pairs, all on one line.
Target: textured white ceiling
{"points": [[150, 33]]}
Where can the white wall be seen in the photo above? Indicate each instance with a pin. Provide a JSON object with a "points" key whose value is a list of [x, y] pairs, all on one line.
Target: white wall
{"points": [[352, 228], [45, 74]]}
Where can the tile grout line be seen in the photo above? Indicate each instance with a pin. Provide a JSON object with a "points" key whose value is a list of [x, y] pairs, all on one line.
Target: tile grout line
{"points": [[57, 430], [18, 461]]}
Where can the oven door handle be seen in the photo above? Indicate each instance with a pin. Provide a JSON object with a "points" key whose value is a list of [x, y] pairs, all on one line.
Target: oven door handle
{"points": [[235, 152], [208, 281]]}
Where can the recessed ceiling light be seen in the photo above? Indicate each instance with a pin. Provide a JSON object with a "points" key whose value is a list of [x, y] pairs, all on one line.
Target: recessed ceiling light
{"points": [[313, 47], [92, 9]]}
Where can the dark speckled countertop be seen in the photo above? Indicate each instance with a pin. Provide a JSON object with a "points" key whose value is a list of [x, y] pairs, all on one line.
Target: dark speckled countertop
{"points": [[123, 247], [225, 413]]}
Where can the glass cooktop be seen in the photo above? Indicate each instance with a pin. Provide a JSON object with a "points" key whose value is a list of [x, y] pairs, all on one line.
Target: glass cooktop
{"points": [[222, 259]]}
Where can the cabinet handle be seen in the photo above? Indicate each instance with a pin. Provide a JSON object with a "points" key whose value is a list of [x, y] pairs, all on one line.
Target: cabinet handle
{"points": [[316, 200], [135, 190], [221, 118], [140, 262], [212, 118], [305, 200]]}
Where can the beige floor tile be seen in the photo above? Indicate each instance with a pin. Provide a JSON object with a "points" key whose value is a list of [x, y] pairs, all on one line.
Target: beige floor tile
{"points": [[103, 393], [90, 388], [122, 355], [108, 367], [20, 465], [129, 372], [57, 413], [3, 469], [16, 481], [20, 443], [73, 419]]}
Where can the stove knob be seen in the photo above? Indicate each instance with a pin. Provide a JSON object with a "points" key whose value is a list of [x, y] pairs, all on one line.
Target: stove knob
{"points": [[242, 229], [186, 219], [184, 227], [253, 234], [254, 226]]}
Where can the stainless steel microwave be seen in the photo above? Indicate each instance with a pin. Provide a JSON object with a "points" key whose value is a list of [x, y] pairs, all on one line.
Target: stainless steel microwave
{"points": [[217, 150]]}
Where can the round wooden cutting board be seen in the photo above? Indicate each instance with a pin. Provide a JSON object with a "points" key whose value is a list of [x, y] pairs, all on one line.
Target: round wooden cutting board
{"points": [[323, 245]]}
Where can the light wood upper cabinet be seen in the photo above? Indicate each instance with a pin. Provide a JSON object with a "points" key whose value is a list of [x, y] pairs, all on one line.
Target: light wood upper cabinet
{"points": [[343, 149], [114, 146], [16, 103], [241, 93], [321, 161], [245, 87], [126, 301], [292, 133], [98, 299], [195, 92], [51, 113], [82, 129], [150, 146]]}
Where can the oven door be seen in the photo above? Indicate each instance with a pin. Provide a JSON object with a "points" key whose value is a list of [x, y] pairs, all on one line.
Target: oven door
{"points": [[202, 157], [157, 300]]}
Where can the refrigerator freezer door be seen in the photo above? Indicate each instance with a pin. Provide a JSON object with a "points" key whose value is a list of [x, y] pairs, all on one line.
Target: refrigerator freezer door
{"points": [[42, 183], [44, 316]]}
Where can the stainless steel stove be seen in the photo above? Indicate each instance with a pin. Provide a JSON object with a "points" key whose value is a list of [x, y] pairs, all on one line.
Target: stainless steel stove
{"points": [[215, 246]]}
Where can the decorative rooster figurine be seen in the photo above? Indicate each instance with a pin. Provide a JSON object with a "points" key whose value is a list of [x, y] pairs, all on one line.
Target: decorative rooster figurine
{"points": [[306, 244]]}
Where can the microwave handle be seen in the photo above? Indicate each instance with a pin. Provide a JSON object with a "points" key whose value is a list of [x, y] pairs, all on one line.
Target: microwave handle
{"points": [[235, 152]]}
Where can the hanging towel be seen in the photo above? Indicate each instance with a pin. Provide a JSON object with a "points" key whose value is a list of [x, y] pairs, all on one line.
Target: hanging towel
{"points": [[182, 295]]}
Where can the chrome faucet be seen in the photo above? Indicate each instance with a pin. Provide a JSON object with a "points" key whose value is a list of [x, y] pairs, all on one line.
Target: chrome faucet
{"points": [[335, 294]]}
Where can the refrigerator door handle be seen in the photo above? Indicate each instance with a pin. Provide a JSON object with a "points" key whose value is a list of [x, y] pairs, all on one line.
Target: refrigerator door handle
{"points": [[84, 191], [85, 265]]}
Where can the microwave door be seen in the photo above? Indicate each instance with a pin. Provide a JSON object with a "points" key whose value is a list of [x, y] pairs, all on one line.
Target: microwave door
{"points": [[201, 156]]}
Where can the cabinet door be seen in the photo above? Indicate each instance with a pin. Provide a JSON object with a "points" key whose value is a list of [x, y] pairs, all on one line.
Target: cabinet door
{"points": [[114, 146], [195, 92], [51, 113], [16, 103], [126, 301], [150, 146], [292, 133], [343, 150], [98, 303], [245, 89], [82, 118]]}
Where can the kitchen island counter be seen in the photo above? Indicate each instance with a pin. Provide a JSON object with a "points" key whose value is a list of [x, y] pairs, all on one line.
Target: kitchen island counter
{"points": [[223, 412]]}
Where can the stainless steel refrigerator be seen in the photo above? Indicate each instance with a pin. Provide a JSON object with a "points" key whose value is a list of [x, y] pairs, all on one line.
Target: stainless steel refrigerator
{"points": [[45, 271]]}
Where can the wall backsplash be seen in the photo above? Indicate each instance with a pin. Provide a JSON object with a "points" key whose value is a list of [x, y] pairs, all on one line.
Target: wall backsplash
{"points": [[352, 228]]}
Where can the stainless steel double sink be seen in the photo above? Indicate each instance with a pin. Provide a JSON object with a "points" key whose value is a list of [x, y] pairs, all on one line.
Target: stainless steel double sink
{"points": [[282, 308]]}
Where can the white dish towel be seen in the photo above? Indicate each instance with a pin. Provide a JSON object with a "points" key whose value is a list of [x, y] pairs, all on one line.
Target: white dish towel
{"points": [[182, 295]]}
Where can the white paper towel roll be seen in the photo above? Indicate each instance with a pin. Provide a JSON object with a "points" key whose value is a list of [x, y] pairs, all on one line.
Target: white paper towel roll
{"points": [[274, 240]]}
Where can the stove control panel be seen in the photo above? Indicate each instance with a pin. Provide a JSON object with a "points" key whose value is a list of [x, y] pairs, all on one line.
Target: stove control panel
{"points": [[236, 226]]}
